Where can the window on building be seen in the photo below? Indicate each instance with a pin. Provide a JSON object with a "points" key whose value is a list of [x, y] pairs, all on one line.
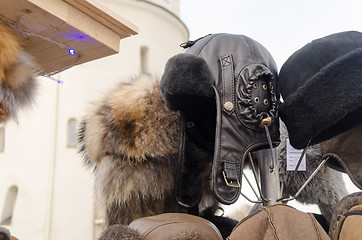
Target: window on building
{"points": [[72, 133], [144, 60], [9, 204], [2, 138]]}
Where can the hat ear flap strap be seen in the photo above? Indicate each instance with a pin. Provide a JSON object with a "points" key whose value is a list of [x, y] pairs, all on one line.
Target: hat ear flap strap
{"points": [[189, 174]]}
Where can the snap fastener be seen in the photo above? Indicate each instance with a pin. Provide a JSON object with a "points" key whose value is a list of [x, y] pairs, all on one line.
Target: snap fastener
{"points": [[256, 100], [229, 106], [266, 101]]}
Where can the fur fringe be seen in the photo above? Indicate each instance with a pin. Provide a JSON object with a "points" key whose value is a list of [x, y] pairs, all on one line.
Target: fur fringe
{"points": [[327, 187], [132, 141], [120, 232], [17, 76]]}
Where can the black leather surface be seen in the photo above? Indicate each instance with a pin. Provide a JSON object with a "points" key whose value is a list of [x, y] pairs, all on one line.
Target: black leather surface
{"points": [[252, 75]]}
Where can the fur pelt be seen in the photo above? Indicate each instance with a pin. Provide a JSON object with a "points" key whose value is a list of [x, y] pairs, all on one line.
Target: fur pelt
{"points": [[17, 75], [327, 187], [132, 142], [120, 232]]}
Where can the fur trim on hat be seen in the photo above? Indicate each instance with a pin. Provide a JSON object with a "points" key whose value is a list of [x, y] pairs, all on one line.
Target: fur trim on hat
{"points": [[188, 235], [327, 104], [120, 232], [186, 86], [185, 82], [17, 76]]}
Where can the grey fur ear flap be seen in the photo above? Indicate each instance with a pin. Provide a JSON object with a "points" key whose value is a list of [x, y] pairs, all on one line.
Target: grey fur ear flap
{"points": [[186, 80]]}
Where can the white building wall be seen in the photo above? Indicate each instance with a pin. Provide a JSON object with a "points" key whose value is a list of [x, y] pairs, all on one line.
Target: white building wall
{"points": [[55, 197], [26, 163]]}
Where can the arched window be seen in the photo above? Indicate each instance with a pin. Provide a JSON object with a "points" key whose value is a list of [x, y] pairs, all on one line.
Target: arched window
{"points": [[9, 204], [2, 138], [72, 133], [144, 60]]}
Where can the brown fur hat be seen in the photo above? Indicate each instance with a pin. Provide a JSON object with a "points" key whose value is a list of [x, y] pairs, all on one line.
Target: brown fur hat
{"points": [[132, 141], [17, 75], [131, 121]]}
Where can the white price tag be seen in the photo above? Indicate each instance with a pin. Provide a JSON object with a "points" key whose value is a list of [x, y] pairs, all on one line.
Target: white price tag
{"points": [[293, 156]]}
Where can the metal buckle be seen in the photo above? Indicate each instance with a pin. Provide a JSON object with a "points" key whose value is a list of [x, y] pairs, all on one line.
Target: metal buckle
{"points": [[231, 183]]}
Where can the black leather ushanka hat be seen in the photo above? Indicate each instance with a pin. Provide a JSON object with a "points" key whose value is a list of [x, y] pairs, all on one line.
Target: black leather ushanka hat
{"points": [[229, 84]]}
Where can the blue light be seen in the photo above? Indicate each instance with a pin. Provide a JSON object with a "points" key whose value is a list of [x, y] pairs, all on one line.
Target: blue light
{"points": [[71, 51]]}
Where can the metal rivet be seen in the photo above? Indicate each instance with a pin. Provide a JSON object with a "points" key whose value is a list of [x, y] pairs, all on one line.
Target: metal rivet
{"points": [[266, 101], [229, 106], [256, 100], [255, 85], [265, 87]]}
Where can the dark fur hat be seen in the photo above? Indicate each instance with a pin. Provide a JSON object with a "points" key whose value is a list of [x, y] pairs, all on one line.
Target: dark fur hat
{"points": [[196, 81], [322, 87], [186, 86]]}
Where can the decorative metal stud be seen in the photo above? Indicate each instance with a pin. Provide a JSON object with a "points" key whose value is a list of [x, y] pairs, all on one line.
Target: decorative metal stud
{"points": [[229, 106]]}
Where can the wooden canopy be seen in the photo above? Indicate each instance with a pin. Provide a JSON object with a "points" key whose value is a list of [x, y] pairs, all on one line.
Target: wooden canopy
{"points": [[48, 29]]}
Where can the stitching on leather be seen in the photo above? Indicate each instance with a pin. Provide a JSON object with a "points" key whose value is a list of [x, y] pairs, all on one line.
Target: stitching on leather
{"points": [[182, 221], [315, 225], [252, 50], [212, 37], [233, 82], [271, 223]]}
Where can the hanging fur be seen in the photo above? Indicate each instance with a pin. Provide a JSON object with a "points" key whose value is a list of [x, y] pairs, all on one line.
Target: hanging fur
{"points": [[327, 187], [132, 141], [17, 75]]}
